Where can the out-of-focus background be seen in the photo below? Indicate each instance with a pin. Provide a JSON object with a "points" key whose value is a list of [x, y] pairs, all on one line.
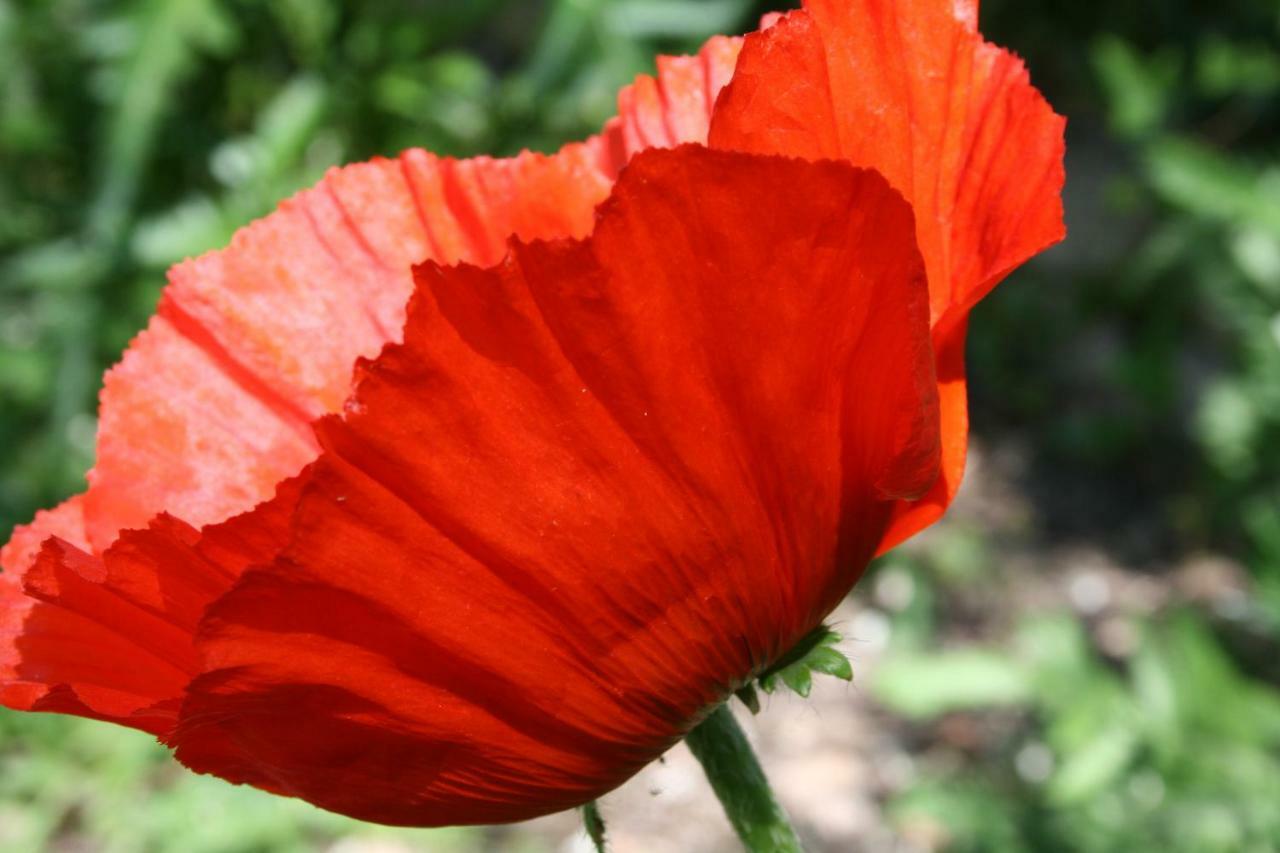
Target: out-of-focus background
{"points": [[1083, 656]]}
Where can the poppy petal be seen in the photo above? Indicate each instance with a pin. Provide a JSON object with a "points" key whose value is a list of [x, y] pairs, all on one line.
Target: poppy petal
{"points": [[674, 106], [112, 637], [65, 521], [210, 407], [87, 649], [595, 489], [911, 89]]}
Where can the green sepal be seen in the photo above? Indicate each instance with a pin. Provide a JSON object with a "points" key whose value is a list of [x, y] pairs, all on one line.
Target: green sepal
{"points": [[829, 661], [797, 677], [815, 653], [593, 823], [747, 694]]}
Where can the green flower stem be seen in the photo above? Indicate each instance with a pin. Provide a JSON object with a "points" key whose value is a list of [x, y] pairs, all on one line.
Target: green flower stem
{"points": [[721, 747]]}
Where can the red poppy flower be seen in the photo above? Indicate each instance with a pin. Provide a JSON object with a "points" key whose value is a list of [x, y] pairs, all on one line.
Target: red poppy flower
{"points": [[605, 467]]}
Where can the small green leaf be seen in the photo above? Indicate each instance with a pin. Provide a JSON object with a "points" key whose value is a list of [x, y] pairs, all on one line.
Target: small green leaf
{"points": [[828, 661], [815, 653], [797, 677]]}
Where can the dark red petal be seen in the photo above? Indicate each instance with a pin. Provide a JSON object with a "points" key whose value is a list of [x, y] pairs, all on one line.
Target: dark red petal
{"points": [[953, 407], [595, 489], [112, 637], [96, 649], [909, 87], [211, 406]]}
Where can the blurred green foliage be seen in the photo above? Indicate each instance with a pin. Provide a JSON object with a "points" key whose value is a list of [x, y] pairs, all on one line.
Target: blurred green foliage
{"points": [[64, 785], [1048, 742], [1139, 363], [1146, 351]]}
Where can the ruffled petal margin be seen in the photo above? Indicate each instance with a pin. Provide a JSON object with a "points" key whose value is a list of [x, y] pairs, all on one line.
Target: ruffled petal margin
{"points": [[531, 552], [211, 406], [608, 478], [208, 410], [909, 88], [112, 637]]}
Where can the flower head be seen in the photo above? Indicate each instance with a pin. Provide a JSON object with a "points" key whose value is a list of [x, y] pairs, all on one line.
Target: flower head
{"points": [[625, 424]]}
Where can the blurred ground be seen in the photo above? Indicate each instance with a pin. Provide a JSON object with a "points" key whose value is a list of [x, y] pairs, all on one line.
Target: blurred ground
{"points": [[1084, 656]]}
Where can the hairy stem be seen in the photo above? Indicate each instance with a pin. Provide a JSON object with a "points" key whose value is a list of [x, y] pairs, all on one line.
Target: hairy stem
{"points": [[719, 744]]}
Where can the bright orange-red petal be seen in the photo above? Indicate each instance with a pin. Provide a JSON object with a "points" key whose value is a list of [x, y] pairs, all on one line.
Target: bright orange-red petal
{"points": [[112, 636], [908, 87], [596, 488], [211, 406], [674, 106], [609, 479], [66, 521]]}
